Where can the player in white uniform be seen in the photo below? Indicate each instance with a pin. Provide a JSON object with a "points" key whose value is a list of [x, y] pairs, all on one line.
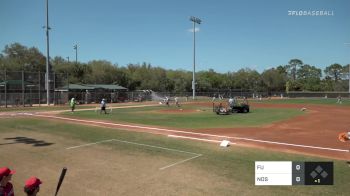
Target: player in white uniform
{"points": [[177, 102], [103, 106], [167, 101], [231, 101]]}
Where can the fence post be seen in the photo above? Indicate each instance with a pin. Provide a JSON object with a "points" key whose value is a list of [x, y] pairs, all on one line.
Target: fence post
{"points": [[67, 87], [54, 86], [5, 89], [30, 96], [39, 88], [23, 102]]}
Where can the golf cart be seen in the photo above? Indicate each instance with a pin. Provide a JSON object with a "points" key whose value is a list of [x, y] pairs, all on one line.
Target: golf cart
{"points": [[240, 108], [233, 106]]}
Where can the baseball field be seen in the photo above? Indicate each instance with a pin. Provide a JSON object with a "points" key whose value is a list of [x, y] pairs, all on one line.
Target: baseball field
{"points": [[151, 149]]}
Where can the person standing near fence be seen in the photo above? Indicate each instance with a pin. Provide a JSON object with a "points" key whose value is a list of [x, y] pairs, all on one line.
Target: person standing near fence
{"points": [[72, 104], [103, 106], [177, 102], [231, 102], [339, 100], [167, 101], [213, 99]]}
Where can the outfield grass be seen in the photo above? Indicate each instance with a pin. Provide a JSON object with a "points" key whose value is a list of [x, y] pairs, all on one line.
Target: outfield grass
{"points": [[233, 166], [319, 101], [200, 117]]}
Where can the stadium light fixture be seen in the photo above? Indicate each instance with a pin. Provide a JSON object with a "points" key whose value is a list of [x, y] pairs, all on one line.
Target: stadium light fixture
{"points": [[195, 21], [76, 53]]}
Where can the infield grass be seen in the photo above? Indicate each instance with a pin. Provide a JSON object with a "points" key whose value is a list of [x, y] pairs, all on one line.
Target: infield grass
{"points": [[198, 117], [220, 171]]}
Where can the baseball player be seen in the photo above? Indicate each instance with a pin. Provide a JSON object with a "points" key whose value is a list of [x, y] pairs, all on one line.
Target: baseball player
{"points": [[339, 100], [6, 187], [167, 101], [103, 106], [177, 102], [32, 186], [72, 104], [231, 102]]}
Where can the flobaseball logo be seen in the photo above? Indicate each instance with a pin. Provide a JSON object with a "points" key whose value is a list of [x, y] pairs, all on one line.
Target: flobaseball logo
{"points": [[310, 13]]}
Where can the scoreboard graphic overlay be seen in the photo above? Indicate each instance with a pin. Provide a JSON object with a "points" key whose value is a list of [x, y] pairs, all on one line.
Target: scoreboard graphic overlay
{"points": [[293, 173]]}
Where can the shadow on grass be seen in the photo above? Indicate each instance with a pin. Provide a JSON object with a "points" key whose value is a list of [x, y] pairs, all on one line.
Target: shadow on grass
{"points": [[27, 140]]}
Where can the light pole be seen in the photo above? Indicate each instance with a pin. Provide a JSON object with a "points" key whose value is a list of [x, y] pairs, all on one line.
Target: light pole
{"points": [[47, 77], [67, 58], [198, 21], [348, 44], [76, 53]]}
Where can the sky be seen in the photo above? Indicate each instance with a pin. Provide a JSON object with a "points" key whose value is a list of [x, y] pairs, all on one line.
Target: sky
{"points": [[234, 34]]}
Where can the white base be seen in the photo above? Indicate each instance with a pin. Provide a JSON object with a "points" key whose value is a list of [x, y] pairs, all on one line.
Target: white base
{"points": [[225, 143]]}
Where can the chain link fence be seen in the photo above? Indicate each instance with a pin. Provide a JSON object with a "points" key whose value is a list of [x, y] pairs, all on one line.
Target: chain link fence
{"points": [[28, 89]]}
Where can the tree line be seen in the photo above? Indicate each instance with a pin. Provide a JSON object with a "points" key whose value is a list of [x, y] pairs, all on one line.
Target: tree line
{"points": [[294, 76]]}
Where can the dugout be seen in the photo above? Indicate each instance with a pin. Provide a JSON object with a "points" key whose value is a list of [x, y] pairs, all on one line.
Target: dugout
{"points": [[94, 93]]}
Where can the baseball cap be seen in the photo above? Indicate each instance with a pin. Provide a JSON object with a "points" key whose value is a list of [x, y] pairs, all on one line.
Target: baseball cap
{"points": [[5, 171], [32, 182]]}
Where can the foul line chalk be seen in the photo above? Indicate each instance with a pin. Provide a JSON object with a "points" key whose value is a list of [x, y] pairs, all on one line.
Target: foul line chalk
{"points": [[195, 138], [196, 155], [171, 165], [296, 145], [193, 133], [89, 144], [163, 148]]}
